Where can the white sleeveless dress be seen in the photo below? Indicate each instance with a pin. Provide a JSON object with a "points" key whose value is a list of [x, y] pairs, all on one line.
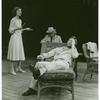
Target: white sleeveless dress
{"points": [[15, 48]]}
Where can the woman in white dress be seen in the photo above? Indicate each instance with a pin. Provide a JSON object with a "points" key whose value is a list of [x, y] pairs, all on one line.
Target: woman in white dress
{"points": [[15, 48]]}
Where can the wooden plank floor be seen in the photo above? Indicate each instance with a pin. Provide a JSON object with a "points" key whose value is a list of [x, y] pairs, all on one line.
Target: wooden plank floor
{"points": [[14, 86]]}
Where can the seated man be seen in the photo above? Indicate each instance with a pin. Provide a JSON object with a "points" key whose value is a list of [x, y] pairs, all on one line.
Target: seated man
{"points": [[62, 60], [51, 36]]}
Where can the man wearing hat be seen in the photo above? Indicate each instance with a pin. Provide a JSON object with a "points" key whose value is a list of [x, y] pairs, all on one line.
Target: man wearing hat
{"points": [[51, 36]]}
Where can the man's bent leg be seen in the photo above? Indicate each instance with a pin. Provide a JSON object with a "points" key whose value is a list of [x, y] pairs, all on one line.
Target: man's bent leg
{"points": [[61, 65], [41, 66], [35, 71], [32, 88], [57, 65], [33, 84]]}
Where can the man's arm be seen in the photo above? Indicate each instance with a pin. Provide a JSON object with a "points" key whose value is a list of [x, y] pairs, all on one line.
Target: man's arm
{"points": [[48, 54], [60, 40], [45, 39], [74, 52]]}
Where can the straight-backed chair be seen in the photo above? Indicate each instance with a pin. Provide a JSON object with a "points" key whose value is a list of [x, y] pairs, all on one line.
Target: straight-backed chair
{"points": [[92, 65]]}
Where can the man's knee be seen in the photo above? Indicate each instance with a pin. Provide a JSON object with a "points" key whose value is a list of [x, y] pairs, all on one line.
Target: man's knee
{"points": [[37, 64]]}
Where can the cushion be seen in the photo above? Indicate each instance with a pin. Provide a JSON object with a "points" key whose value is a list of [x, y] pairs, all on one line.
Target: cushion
{"points": [[58, 75]]}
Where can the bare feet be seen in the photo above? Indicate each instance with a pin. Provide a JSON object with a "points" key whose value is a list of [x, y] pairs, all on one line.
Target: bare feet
{"points": [[20, 70], [13, 73]]}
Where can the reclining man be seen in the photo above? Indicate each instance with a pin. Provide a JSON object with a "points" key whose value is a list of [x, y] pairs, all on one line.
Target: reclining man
{"points": [[62, 60]]}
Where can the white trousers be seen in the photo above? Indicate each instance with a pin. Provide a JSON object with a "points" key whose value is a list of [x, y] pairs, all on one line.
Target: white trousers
{"points": [[45, 66], [33, 83]]}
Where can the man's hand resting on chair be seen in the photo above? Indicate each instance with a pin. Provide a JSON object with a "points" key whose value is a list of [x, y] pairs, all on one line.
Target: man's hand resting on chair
{"points": [[40, 57]]}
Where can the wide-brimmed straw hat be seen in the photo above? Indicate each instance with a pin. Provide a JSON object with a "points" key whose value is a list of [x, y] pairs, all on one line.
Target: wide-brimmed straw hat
{"points": [[50, 30]]}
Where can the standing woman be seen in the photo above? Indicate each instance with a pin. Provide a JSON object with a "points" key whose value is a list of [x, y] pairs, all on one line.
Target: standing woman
{"points": [[15, 48]]}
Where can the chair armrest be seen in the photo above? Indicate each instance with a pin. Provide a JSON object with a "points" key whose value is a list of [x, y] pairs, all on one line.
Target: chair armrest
{"points": [[92, 59]]}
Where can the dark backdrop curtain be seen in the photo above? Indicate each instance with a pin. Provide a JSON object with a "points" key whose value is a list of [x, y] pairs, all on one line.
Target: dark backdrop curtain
{"points": [[67, 16]]}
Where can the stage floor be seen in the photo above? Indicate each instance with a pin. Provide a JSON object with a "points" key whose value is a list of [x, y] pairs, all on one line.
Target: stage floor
{"points": [[14, 86]]}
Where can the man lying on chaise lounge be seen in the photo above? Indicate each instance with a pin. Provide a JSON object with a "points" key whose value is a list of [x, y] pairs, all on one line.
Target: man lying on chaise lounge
{"points": [[62, 60]]}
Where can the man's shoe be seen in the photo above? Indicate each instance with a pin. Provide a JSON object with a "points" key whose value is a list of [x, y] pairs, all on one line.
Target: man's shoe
{"points": [[30, 91]]}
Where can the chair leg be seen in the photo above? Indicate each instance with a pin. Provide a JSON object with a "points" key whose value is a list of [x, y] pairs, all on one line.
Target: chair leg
{"points": [[91, 76], [38, 92], [72, 91], [85, 74], [75, 70]]}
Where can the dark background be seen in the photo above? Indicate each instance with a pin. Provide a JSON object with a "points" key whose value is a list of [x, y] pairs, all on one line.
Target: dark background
{"points": [[67, 16]]}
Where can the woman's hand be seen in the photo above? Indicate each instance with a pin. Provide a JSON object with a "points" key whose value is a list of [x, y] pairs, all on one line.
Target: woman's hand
{"points": [[28, 29]]}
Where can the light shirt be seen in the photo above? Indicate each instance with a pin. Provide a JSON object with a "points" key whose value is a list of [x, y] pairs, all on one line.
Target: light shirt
{"points": [[62, 53]]}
